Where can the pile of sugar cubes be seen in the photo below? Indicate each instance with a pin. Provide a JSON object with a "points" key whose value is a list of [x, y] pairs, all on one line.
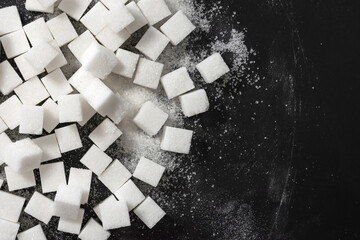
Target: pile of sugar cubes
{"points": [[42, 103]]}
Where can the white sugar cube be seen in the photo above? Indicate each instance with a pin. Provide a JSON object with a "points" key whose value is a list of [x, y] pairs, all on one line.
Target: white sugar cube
{"points": [[26, 69], [114, 215], [176, 140], [52, 175], [148, 73], [10, 112], [110, 4], [81, 79], [9, 20], [35, 6], [68, 138], [152, 43], [81, 178], [8, 230], [70, 108], [177, 82], [149, 171], [149, 212], [32, 92], [32, 233], [15, 43], [93, 231], [71, 226], [96, 209], [81, 44], [140, 20], [150, 118], [40, 207], [3, 126], [59, 61], [112, 40], [4, 141], [96, 160], [49, 146], [56, 84], [118, 18], [115, 176], [67, 202], [127, 63], [212, 68], [51, 115], [88, 112], [9, 79], [177, 28], [74, 8], [105, 134], [93, 20], [131, 194], [37, 31], [41, 55], [62, 29], [17, 181], [154, 10], [32, 119], [194, 103], [10, 206]]}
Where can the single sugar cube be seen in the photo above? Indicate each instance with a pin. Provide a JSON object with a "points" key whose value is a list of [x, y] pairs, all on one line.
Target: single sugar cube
{"points": [[115, 176], [8, 230], [96, 160], [49, 146], [46, 3], [68, 138], [112, 40], [93, 20], [110, 4], [149, 171], [26, 69], [9, 20], [10, 112], [150, 118], [37, 31], [154, 10], [72, 226], [93, 230], [17, 181], [96, 209], [4, 140], [51, 115], [105, 134], [3, 126], [140, 20], [177, 28], [148, 73], [177, 82], [70, 108], [115, 214], [79, 46], [212, 68], [32, 119], [52, 175], [32, 92], [194, 103], [56, 84], [81, 178], [62, 29], [176, 140], [152, 43], [127, 62], [15, 43], [118, 18], [32, 233], [67, 202], [74, 8], [59, 61], [81, 79], [41, 55], [10, 206], [9, 79], [35, 6], [40, 207], [149, 212], [131, 194]]}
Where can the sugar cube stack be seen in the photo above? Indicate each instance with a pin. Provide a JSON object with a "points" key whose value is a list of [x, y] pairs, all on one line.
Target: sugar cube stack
{"points": [[114, 214], [9, 20], [96, 160], [40, 207], [62, 29], [105, 134], [131, 194], [15, 43], [10, 206], [74, 8], [149, 171], [10, 112], [70, 108], [68, 138], [176, 140], [37, 31], [148, 73], [32, 233], [52, 175], [154, 10], [9, 79], [139, 22], [93, 20], [41, 55], [17, 181], [67, 202], [71, 225], [194, 102], [118, 17], [8, 230], [31, 120], [177, 82], [212, 68], [81, 178], [93, 230], [115, 176], [149, 212], [32, 92]]}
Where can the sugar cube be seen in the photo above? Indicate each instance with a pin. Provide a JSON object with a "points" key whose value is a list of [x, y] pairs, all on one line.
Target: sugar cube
{"points": [[32, 233], [46, 3], [67, 202], [177, 82], [81, 178], [62, 29], [94, 18], [3, 126], [140, 20], [177, 28], [149, 171], [35, 6], [70, 108], [17, 181], [149, 212], [52, 175], [96, 209], [49, 146], [114, 214], [41, 55], [9, 79], [8, 230], [212, 68], [152, 43], [194, 102], [15, 43], [154, 10], [131, 194], [4, 141], [74, 8], [68, 138], [79, 46], [56, 84], [118, 18], [88, 112], [10, 206], [32, 119], [37, 31], [71, 225], [112, 3], [26, 69], [40, 207], [105, 134], [148, 73], [51, 115], [127, 63], [176, 140], [9, 20], [93, 231], [96, 160], [112, 40], [32, 92], [59, 61], [81, 79], [115, 176], [10, 112]]}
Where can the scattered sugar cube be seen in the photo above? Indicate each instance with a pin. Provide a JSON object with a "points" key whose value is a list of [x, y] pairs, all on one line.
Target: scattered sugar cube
{"points": [[110, 4], [26, 69], [56, 84], [194, 103], [140, 20], [152, 43], [49, 146], [40, 207], [15, 43], [74, 8], [35, 6], [149, 212], [3, 126], [9, 79], [67, 202], [9, 20], [68, 138], [4, 140], [88, 112], [94, 18], [37, 31], [112, 40], [114, 214], [131, 194], [148, 73], [96, 209], [149, 171], [62, 29], [93, 230], [70, 108], [10, 111], [177, 82], [176, 140], [17, 181], [81, 79], [105, 134], [10, 206], [96, 160], [71, 226], [115, 176], [8, 230], [51, 115], [32, 119], [118, 18], [79, 46], [32, 233], [127, 63], [52, 175], [81, 178], [32, 92], [59, 61], [154, 10], [212, 68], [41, 55], [150, 118], [177, 28]]}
